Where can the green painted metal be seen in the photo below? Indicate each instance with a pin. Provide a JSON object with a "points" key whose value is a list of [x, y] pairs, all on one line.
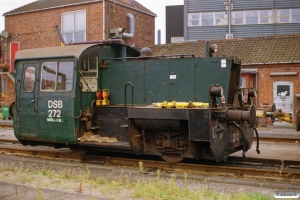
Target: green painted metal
{"points": [[26, 121], [156, 81], [182, 79], [209, 71]]}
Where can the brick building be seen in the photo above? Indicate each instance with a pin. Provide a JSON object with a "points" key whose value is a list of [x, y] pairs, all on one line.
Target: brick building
{"points": [[33, 26], [269, 64]]}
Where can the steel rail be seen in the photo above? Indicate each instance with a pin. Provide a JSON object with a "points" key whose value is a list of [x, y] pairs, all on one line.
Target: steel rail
{"points": [[6, 126], [233, 168], [275, 139], [261, 139]]}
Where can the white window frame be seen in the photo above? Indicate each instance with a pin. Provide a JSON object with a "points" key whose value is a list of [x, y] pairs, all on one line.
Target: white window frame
{"points": [[269, 17], [207, 13], [297, 10], [251, 17], [224, 19], [278, 17], [273, 17], [190, 19], [234, 18], [74, 31]]}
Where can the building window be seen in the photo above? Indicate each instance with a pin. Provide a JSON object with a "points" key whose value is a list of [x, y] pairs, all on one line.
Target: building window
{"points": [[283, 90], [242, 82], [245, 17], [29, 78], [251, 17], [220, 18], [296, 15], [207, 19], [237, 17], [74, 26], [266, 16], [57, 76], [194, 19], [283, 16]]}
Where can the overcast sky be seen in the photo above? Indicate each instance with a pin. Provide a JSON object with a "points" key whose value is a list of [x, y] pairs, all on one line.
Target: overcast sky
{"points": [[156, 6]]}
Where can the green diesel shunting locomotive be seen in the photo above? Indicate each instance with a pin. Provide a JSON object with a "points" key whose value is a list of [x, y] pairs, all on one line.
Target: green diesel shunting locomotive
{"points": [[175, 106]]}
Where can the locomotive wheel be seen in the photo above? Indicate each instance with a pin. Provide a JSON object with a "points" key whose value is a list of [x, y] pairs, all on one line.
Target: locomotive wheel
{"points": [[77, 149], [172, 157]]}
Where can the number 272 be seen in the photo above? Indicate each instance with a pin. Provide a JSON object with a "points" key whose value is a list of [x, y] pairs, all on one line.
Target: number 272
{"points": [[54, 113]]}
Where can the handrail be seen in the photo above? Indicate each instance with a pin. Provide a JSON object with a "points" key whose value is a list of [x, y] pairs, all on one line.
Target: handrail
{"points": [[128, 83]]}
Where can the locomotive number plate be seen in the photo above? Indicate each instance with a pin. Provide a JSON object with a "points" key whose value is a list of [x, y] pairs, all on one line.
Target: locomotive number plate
{"points": [[54, 113]]}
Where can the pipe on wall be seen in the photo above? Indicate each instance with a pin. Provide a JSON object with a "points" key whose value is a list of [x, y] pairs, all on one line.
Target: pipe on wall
{"points": [[103, 18], [131, 26]]}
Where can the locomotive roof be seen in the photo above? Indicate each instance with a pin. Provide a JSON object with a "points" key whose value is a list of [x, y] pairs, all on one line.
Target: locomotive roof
{"points": [[69, 50], [58, 51]]}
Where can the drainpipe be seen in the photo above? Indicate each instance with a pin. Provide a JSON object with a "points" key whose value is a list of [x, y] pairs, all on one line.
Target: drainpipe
{"points": [[229, 19], [131, 26], [103, 18]]}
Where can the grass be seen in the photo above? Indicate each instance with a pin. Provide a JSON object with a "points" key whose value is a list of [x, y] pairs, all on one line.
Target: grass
{"points": [[115, 186]]}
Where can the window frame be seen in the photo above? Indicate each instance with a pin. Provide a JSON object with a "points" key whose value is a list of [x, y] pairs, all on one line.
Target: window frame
{"points": [[57, 75], [298, 15], [191, 19], [273, 17], [270, 18], [25, 79], [239, 17], [278, 16], [74, 31], [248, 18]]}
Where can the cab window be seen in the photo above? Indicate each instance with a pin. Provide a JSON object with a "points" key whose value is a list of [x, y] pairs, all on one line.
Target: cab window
{"points": [[57, 76], [29, 78], [89, 65]]}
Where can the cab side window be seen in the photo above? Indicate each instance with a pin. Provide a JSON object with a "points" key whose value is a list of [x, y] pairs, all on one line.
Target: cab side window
{"points": [[29, 78], [57, 76]]}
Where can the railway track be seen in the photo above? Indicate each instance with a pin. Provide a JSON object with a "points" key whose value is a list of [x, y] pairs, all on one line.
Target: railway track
{"points": [[251, 168], [277, 139], [261, 139]]}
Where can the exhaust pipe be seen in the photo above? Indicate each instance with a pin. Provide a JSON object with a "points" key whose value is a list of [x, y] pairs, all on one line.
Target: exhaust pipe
{"points": [[131, 26]]}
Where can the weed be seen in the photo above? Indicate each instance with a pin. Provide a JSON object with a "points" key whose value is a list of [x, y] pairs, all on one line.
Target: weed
{"points": [[101, 180], [80, 188], [40, 194]]}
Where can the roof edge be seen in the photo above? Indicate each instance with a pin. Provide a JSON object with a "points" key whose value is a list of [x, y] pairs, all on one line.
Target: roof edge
{"points": [[272, 63], [154, 15], [74, 4]]}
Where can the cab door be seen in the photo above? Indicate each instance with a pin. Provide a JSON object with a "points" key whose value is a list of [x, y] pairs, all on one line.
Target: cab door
{"points": [[26, 100]]}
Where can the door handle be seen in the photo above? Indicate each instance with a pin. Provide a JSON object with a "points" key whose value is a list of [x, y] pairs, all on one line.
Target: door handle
{"points": [[32, 101]]}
